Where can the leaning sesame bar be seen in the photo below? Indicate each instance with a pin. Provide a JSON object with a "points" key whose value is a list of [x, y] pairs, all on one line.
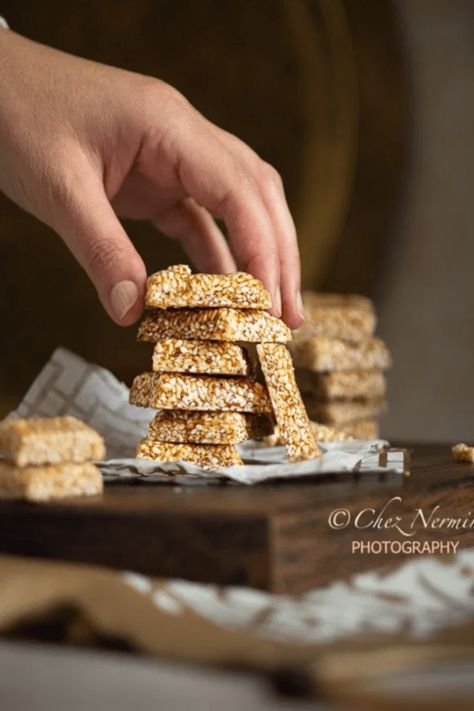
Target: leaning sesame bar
{"points": [[208, 456], [208, 427], [338, 384], [178, 355], [173, 288], [49, 440], [289, 410], [51, 481], [173, 391], [349, 317], [320, 353], [463, 453], [340, 412], [220, 324]]}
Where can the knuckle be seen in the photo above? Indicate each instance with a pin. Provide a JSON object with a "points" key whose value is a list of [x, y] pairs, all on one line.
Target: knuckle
{"points": [[159, 98], [271, 176], [245, 181]]}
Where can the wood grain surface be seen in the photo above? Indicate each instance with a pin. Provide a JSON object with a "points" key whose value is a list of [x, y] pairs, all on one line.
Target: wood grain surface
{"points": [[273, 536]]}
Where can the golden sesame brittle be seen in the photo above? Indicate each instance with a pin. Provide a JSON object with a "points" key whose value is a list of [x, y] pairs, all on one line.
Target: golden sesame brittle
{"points": [[208, 456], [178, 355], [208, 427], [178, 288], [220, 324], [290, 413], [175, 391], [52, 481], [49, 440]]}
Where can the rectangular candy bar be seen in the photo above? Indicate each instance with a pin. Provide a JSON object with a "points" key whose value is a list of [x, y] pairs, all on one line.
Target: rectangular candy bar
{"points": [[320, 353], [173, 391], [208, 427], [220, 324], [330, 300], [362, 429], [208, 456], [348, 317], [340, 412], [178, 288], [322, 433], [290, 414], [178, 355], [49, 440], [54, 481], [345, 384]]}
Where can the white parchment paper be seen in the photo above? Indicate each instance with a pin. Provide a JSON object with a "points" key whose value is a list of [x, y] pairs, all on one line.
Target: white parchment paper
{"points": [[68, 385]]}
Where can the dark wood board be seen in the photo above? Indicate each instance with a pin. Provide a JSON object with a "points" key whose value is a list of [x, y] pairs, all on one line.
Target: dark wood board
{"points": [[272, 536]]}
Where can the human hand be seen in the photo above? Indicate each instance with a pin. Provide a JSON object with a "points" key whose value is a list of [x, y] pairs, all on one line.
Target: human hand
{"points": [[81, 143]]}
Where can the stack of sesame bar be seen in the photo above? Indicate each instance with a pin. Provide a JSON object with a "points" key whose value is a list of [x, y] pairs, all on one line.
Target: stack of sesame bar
{"points": [[340, 364], [44, 458], [204, 382]]}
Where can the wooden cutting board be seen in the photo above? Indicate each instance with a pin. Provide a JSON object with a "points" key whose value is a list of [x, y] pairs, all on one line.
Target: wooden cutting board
{"points": [[274, 537]]}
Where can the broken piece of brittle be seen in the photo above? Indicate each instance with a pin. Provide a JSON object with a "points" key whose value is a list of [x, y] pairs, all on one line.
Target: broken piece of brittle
{"points": [[463, 453]]}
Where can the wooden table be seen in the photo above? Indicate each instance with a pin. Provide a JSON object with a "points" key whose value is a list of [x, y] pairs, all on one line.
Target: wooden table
{"points": [[272, 536]]}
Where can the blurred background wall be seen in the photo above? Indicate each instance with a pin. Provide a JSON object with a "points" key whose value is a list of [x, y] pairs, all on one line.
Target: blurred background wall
{"points": [[366, 108]]}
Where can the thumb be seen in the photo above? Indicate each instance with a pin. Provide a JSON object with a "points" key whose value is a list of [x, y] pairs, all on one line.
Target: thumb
{"points": [[94, 235]]}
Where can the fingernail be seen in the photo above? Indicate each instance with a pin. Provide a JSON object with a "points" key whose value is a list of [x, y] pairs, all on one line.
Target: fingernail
{"points": [[299, 303], [123, 296], [277, 301]]}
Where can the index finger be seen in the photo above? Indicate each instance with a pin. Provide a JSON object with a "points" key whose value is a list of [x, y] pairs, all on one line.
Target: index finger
{"points": [[207, 170]]}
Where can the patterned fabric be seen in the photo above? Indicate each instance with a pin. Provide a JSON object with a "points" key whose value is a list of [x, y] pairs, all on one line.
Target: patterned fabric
{"points": [[68, 385], [420, 597]]}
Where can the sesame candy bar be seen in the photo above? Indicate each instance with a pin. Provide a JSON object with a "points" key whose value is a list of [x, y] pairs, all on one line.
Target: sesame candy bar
{"points": [[358, 429], [173, 391], [208, 427], [177, 288], [208, 456], [362, 429], [338, 317], [290, 413], [322, 433], [178, 355], [52, 481], [340, 412], [342, 383], [329, 300], [320, 353], [49, 440], [463, 453], [220, 324]]}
